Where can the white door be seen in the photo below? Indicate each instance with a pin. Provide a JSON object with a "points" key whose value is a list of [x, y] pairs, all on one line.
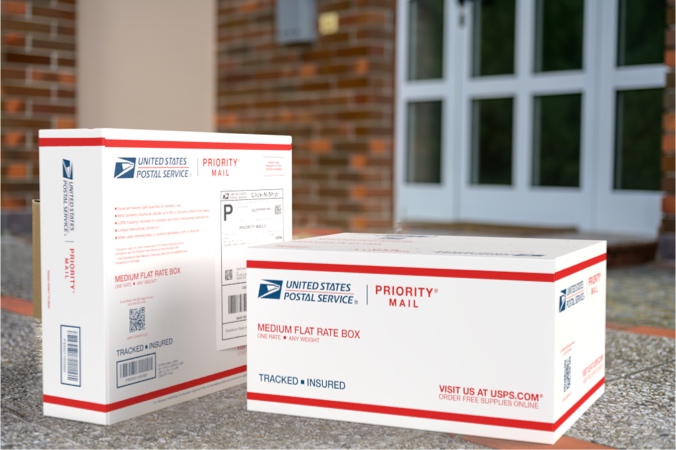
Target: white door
{"points": [[524, 112]]}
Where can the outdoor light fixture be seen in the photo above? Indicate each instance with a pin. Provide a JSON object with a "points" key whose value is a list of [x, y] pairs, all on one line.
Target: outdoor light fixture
{"points": [[296, 21]]}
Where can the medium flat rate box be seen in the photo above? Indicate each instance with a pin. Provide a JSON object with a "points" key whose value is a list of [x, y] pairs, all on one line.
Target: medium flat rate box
{"points": [[144, 236], [493, 337]]}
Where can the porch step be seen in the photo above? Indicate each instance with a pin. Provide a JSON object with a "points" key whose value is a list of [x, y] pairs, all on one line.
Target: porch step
{"points": [[623, 250]]}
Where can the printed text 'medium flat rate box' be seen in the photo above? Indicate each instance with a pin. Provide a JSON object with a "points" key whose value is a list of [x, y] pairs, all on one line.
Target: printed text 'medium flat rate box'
{"points": [[143, 263], [493, 337]]}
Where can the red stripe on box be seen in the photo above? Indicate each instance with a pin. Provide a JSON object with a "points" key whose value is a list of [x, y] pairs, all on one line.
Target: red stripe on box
{"points": [[72, 142], [126, 143], [424, 414], [100, 407], [428, 272]]}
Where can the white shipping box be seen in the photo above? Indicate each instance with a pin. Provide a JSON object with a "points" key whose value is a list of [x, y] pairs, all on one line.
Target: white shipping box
{"points": [[494, 337], [144, 236]]}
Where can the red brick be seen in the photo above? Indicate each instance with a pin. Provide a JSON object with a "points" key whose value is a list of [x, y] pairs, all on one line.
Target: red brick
{"points": [[53, 13], [248, 6], [13, 74], [14, 39], [359, 192], [24, 25], [53, 109], [362, 66], [65, 62], [15, 57], [13, 7], [62, 122], [65, 31], [668, 204], [365, 18], [13, 138], [16, 170], [320, 146], [669, 121], [53, 45], [359, 223], [308, 70], [668, 163], [668, 143], [13, 203], [25, 123], [378, 146], [227, 120], [26, 91], [13, 106], [358, 161]]}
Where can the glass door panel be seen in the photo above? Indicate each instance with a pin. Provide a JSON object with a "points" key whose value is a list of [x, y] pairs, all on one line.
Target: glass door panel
{"points": [[493, 35], [640, 32], [423, 148], [492, 125], [559, 39], [557, 133], [638, 130], [425, 39]]}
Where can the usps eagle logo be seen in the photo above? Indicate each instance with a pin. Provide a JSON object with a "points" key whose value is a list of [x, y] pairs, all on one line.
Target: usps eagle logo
{"points": [[125, 168], [67, 169], [271, 289]]}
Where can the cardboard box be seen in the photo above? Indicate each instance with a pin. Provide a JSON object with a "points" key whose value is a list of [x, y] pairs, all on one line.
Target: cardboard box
{"points": [[143, 263], [493, 337]]}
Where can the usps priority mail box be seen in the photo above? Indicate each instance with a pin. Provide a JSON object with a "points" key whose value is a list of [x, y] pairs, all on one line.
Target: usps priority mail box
{"points": [[493, 337], [143, 263]]}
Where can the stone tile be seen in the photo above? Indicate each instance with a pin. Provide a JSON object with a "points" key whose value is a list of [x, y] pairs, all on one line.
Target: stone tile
{"points": [[627, 353], [641, 295], [631, 414]]}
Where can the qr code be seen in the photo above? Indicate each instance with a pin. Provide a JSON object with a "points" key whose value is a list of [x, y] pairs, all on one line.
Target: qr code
{"points": [[278, 209], [566, 374], [227, 275], [137, 319]]}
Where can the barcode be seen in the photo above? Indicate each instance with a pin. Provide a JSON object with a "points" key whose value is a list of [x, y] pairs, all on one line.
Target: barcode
{"points": [[228, 275], [236, 303], [278, 209], [137, 319], [73, 358], [137, 366], [566, 374], [70, 362]]}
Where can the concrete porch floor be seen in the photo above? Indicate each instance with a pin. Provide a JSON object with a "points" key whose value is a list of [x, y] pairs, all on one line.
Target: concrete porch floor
{"points": [[636, 411]]}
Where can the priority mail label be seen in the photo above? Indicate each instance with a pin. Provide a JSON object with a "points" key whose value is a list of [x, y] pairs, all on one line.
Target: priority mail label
{"points": [[342, 327], [249, 217]]}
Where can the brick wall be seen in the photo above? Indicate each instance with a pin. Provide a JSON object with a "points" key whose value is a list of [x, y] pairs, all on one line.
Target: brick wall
{"points": [[38, 88], [668, 144], [335, 97]]}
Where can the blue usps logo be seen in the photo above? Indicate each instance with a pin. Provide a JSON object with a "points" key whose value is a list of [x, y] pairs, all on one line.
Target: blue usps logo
{"points": [[67, 169], [271, 289], [125, 168], [562, 301]]}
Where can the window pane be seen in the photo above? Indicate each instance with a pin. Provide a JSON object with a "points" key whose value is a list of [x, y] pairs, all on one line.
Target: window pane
{"points": [[423, 143], [492, 141], [425, 39], [641, 27], [557, 129], [493, 37], [638, 131], [559, 35]]}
